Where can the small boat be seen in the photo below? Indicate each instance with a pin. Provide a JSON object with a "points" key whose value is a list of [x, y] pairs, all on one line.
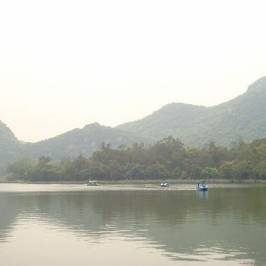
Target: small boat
{"points": [[164, 184], [92, 183], [202, 186]]}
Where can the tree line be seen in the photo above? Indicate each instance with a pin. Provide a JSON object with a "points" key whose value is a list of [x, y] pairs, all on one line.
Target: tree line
{"points": [[166, 159]]}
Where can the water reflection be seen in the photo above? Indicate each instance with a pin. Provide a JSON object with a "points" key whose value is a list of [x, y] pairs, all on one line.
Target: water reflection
{"points": [[222, 225], [202, 195]]}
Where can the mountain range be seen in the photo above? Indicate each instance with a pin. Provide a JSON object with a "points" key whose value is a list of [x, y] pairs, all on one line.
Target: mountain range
{"points": [[243, 118], [71, 144]]}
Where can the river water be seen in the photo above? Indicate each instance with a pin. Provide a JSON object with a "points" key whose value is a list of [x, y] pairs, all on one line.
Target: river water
{"points": [[143, 225]]}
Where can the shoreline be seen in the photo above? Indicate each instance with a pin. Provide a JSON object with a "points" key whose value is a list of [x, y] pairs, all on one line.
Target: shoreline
{"points": [[141, 182]]}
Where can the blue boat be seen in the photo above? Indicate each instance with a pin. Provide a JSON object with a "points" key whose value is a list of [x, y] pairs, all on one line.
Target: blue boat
{"points": [[202, 186]]}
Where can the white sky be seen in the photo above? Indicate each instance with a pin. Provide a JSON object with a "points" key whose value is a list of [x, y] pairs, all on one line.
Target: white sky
{"points": [[64, 64]]}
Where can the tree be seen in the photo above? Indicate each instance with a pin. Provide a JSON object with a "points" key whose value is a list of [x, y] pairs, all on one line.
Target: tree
{"points": [[209, 172]]}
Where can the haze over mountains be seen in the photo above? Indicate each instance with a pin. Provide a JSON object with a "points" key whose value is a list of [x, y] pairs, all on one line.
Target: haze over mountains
{"points": [[83, 141], [73, 143], [241, 118]]}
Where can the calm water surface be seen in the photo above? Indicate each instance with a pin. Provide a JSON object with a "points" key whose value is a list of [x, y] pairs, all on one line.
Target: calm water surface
{"points": [[75, 225]]}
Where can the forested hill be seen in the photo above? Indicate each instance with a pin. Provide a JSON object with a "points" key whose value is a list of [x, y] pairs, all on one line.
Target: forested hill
{"points": [[9, 146], [71, 144], [241, 118], [83, 141], [166, 159]]}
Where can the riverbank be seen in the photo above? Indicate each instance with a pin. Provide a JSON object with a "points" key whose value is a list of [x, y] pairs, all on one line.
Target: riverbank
{"points": [[116, 187], [139, 182]]}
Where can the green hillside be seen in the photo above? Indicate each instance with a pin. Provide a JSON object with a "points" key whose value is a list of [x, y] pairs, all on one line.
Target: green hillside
{"points": [[83, 141], [241, 118]]}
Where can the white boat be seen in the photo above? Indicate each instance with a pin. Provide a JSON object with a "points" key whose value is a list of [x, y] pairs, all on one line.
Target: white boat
{"points": [[92, 183], [164, 184], [202, 186]]}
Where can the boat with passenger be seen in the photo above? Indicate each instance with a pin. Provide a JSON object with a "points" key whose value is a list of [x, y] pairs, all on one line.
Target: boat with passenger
{"points": [[202, 186], [164, 184], [92, 183]]}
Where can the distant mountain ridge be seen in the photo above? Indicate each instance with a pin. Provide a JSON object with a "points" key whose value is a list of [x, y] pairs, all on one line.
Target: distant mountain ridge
{"points": [[71, 144], [241, 118], [83, 141]]}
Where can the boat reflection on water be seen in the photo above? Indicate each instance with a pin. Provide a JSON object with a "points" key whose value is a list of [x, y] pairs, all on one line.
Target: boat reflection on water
{"points": [[182, 228], [202, 195]]}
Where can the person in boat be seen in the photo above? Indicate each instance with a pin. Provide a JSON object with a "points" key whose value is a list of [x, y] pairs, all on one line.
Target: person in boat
{"points": [[164, 184]]}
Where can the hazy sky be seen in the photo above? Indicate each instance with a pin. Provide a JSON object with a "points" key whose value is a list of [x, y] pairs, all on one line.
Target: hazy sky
{"points": [[64, 64]]}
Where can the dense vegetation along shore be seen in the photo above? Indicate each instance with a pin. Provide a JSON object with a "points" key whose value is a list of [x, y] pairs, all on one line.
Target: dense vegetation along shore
{"points": [[166, 159]]}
